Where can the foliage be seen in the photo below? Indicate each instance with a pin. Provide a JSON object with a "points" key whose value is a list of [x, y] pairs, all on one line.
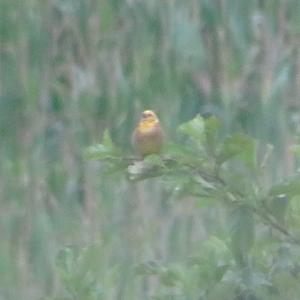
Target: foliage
{"points": [[74, 72], [233, 262]]}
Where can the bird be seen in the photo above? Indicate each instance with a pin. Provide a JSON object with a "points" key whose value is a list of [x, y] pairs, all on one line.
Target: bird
{"points": [[148, 136]]}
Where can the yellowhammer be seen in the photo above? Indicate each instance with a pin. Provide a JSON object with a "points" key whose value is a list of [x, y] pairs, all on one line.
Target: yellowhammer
{"points": [[148, 137]]}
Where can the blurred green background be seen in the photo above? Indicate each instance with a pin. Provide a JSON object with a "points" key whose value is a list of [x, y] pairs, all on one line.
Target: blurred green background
{"points": [[70, 69]]}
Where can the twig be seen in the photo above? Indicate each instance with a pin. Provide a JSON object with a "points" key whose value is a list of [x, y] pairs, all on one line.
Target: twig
{"points": [[265, 215]]}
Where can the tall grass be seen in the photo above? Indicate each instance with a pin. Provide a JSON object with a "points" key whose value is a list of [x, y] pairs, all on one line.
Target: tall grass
{"points": [[70, 69]]}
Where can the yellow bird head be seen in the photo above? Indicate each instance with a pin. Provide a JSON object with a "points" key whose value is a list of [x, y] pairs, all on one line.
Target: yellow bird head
{"points": [[148, 120], [148, 136]]}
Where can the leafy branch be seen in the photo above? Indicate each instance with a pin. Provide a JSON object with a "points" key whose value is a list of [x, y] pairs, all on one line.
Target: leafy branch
{"points": [[225, 169]]}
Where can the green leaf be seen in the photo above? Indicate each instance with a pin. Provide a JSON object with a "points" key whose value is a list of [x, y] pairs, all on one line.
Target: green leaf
{"points": [[104, 151], [241, 232], [154, 160], [278, 207], [181, 154], [216, 249], [248, 277], [294, 211], [99, 152], [289, 189], [171, 276], [107, 141], [194, 129], [212, 126], [241, 145], [212, 262]]}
